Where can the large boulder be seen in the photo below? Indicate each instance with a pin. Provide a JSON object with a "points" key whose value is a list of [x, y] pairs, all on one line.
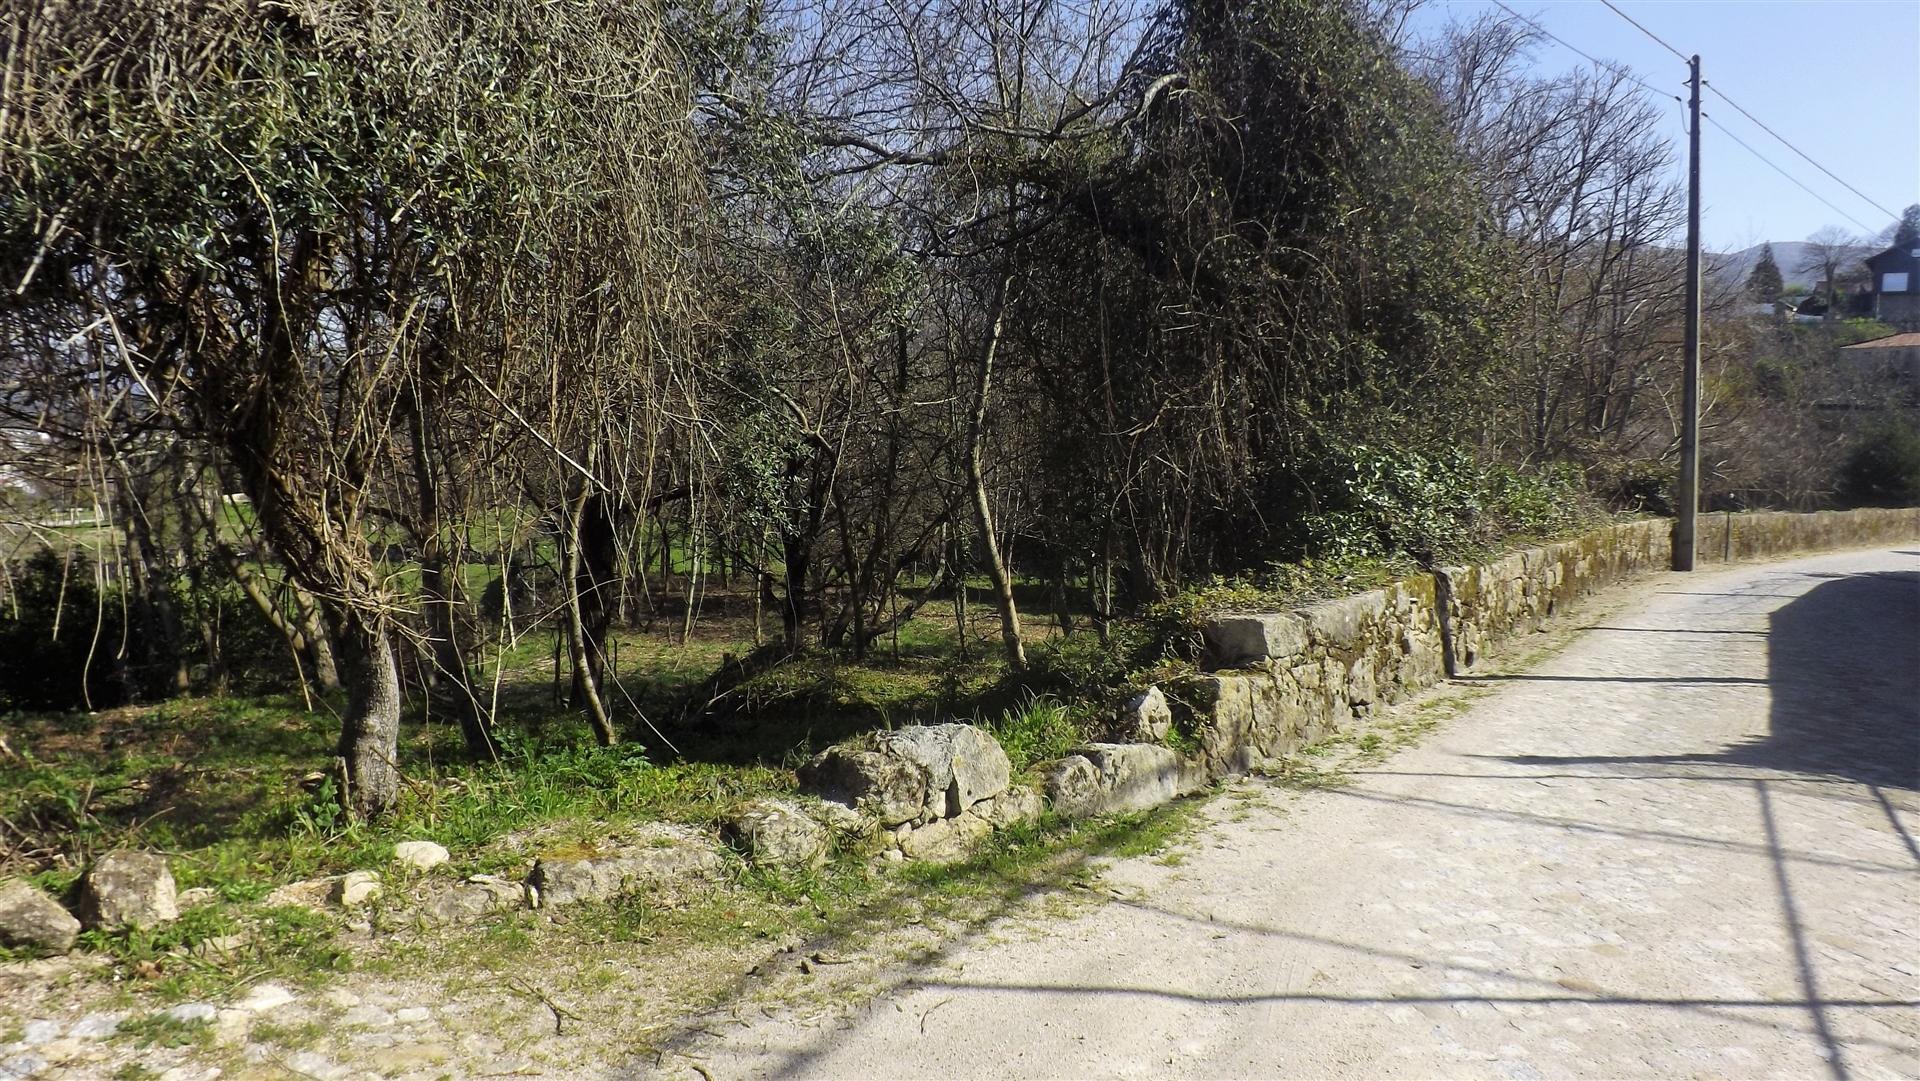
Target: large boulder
{"points": [[882, 785], [32, 921], [963, 764], [776, 834], [659, 858], [128, 889]]}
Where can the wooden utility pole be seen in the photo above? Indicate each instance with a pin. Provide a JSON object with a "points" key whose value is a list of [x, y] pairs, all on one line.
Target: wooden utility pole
{"points": [[1683, 529]]}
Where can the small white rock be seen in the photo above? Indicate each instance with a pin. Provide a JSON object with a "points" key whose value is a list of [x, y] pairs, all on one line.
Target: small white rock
{"points": [[195, 897], [192, 1012], [314, 1064], [413, 1014], [367, 1017], [35, 1033], [231, 1026], [266, 996], [21, 1066], [356, 888], [95, 1026], [419, 855]]}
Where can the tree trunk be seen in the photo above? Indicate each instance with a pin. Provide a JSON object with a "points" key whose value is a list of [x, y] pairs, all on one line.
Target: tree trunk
{"points": [[437, 593], [977, 481], [370, 729], [440, 591], [797, 562], [316, 640], [586, 622]]}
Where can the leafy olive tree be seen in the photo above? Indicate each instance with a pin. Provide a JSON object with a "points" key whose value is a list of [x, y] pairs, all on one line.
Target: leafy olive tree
{"points": [[287, 230]]}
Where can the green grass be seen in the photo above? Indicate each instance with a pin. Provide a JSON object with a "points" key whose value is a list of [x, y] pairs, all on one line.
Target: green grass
{"points": [[235, 791], [1040, 729]]}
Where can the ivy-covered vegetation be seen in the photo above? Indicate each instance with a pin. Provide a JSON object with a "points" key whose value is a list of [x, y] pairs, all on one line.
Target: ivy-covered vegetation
{"points": [[721, 379]]}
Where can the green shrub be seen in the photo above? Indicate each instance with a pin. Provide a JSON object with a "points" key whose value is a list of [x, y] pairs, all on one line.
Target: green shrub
{"points": [[60, 639], [1644, 486], [1382, 500], [1541, 504], [1085, 666], [1883, 468]]}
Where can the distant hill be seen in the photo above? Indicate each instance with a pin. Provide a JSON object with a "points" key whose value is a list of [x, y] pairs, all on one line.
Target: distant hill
{"points": [[1788, 253]]}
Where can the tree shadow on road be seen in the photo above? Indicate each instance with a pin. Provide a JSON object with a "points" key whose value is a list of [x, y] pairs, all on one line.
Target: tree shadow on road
{"points": [[1843, 673]]}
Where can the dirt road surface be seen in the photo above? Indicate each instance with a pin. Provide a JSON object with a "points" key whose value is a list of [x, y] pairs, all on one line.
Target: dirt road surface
{"points": [[1683, 846]]}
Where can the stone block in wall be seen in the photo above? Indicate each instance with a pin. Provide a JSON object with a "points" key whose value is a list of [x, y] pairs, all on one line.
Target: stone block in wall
{"points": [[1340, 624], [912, 774], [1147, 716], [1072, 786], [945, 840], [1362, 689], [872, 783], [963, 764], [1113, 778], [1136, 776], [1224, 722], [1017, 806], [1234, 641]]}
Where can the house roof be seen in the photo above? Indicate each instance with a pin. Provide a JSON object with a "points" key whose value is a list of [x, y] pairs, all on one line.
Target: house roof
{"points": [[1910, 340], [1897, 254]]}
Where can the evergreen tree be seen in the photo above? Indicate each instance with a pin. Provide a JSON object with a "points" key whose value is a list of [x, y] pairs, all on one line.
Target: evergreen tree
{"points": [[1906, 234], [1765, 283]]}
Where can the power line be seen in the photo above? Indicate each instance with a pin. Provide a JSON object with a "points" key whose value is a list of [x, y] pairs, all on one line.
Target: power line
{"points": [[1760, 123], [1656, 37], [1783, 140], [1622, 69], [1783, 172]]}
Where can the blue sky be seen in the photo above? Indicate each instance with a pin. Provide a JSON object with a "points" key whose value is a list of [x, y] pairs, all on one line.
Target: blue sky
{"points": [[1839, 78]]}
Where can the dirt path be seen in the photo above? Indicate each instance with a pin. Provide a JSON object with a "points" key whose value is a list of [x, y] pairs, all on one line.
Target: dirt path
{"points": [[1683, 846]]}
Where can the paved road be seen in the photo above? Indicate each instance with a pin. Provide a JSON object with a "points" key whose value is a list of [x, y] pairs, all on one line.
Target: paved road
{"points": [[1685, 846]]}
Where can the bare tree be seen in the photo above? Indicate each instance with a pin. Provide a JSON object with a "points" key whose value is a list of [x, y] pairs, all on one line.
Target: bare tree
{"points": [[1829, 254]]}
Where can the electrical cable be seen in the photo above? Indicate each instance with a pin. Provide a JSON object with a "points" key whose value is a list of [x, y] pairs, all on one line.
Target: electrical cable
{"points": [[1589, 57], [1809, 158], [1761, 124], [1776, 168], [1684, 58]]}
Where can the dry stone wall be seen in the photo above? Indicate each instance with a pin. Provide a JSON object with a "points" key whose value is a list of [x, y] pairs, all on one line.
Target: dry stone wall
{"points": [[1277, 681]]}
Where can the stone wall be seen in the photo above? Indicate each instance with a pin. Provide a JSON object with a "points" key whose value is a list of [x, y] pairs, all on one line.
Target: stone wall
{"points": [[1764, 535], [1276, 681]]}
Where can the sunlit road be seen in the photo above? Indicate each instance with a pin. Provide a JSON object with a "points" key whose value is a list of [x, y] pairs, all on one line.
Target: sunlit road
{"points": [[1684, 846]]}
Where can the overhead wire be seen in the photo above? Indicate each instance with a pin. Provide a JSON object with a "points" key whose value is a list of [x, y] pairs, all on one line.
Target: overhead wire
{"points": [[1783, 141], [1624, 71], [1761, 124], [1684, 58], [1776, 168]]}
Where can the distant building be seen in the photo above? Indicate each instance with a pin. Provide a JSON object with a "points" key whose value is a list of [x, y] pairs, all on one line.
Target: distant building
{"points": [[1852, 299], [1896, 357], [1896, 288]]}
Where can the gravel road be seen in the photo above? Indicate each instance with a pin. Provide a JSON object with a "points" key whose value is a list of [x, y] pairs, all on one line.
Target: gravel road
{"points": [[1683, 846]]}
